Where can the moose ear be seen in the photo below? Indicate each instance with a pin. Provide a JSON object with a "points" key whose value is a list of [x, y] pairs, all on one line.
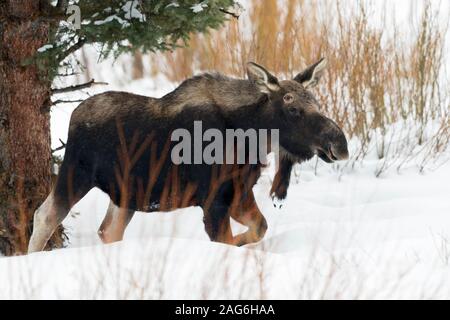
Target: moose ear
{"points": [[262, 78], [311, 76]]}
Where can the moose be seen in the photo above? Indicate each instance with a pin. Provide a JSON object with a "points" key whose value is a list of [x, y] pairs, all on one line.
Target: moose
{"points": [[119, 142]]}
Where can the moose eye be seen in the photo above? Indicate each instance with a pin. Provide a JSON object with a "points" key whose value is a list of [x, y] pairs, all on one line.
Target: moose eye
{"points": [[288, 98]]}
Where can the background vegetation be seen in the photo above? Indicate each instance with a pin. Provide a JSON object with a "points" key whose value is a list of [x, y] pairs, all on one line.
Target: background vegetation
{"points": [[386, 84]]}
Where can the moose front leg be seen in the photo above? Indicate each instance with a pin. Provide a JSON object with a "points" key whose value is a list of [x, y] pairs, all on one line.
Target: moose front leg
{"points": [[281, 181], [250, 216]]}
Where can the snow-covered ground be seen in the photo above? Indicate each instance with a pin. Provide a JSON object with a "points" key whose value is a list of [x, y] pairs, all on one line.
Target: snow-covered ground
{"points": [[353, 237], [340, 234]]}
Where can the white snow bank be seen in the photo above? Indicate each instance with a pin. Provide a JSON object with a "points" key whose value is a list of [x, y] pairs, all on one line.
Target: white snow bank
{"points": [[354, 237]]}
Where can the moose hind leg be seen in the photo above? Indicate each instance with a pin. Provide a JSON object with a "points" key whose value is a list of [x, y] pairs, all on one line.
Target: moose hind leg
{"points": [[114, 224], [71, 186], [45, 223]]}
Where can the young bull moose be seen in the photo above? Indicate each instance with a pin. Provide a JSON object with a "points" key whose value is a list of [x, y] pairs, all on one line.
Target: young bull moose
{"points": [[119, 142]]}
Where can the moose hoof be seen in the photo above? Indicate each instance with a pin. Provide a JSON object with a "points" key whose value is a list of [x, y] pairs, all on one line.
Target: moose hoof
{"points": [[277, 202]]}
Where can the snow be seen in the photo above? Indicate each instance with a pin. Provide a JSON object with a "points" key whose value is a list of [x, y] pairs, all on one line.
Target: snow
{"points": [[132, 12], [111, 18], [196, 8], [173, 4], [129, 11], [353, 236], [45, 48], [341, 233]]}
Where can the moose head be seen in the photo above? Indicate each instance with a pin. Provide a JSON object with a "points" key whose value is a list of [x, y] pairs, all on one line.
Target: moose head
{"points": [[305, 131]]}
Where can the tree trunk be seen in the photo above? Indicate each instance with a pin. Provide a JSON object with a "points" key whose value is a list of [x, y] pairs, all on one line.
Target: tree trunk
{"points": [[25, 154]]}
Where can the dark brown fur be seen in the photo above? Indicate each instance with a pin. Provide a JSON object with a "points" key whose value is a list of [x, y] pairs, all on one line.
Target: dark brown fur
{"points": [[120, 143]]}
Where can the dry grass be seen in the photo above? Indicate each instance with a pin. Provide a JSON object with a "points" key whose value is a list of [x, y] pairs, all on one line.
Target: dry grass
{"points": [[378, 75]]}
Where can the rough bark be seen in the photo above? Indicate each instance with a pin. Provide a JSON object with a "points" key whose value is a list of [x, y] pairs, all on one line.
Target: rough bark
{"points": [[25, 154]]}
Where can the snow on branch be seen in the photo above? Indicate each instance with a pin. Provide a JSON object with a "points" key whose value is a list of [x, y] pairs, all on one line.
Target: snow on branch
{"points": [[78, 87]]}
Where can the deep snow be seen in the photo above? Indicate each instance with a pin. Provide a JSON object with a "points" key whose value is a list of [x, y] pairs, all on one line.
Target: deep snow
{"points": [[341, 234], [353, 237]]}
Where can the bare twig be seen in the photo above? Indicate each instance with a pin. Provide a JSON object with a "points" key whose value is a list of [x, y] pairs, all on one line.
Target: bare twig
{"points": [[68, 74], [77, 87], [72, 49], [59, 101], [234, 15], [63, 146]]}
